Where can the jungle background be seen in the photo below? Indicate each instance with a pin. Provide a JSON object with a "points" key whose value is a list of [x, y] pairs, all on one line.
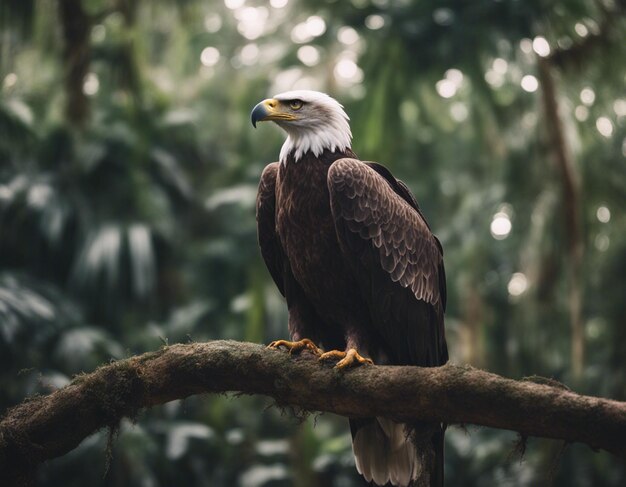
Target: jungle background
{"points": [[128, 174]]}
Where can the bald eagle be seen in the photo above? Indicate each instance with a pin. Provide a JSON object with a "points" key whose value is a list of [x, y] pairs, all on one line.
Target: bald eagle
{"points": [[362, 273]]}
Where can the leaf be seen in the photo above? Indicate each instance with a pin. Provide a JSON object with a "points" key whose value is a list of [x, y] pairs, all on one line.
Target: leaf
{"points": [[142, 259], [243, 195], [260, 475], [99, 259], [180, 434]]}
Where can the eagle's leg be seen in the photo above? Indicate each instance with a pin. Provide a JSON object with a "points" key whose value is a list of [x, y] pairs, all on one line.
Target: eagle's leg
{"points": [[297, 346], [349, 358]]}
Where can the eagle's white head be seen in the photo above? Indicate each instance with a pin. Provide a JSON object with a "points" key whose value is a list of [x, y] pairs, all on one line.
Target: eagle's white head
{"points": [[313, 121]]}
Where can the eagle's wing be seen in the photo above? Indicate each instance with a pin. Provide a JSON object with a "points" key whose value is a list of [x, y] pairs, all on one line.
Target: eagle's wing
{"points": [[402, 189], [396, 259], [271, 249]]}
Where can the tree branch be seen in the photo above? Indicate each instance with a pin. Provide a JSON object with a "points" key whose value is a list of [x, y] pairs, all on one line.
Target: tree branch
{"points": [[45, 427]]}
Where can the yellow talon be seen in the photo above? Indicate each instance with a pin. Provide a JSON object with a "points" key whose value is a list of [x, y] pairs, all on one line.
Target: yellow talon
{"points": [[351, 358], [333, 354], [295, 347]]}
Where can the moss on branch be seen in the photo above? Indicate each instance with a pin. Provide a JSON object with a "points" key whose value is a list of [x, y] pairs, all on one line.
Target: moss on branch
{"points": [[46, 427]]}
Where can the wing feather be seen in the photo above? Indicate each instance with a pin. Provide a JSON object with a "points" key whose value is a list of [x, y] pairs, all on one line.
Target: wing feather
{"points": [[395, 256], [271, 249]]}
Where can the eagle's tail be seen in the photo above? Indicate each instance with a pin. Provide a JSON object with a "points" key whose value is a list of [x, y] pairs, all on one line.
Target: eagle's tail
{"points": [[390, 453]]}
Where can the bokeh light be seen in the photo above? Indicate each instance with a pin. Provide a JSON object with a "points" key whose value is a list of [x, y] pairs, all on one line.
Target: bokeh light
{"points": [[581, 113], [306, 31], [308, 55], [251, 21], [347, 72], [541, 46], [602, 242], [604, 126], [347, 35], [501, 226], [91, 85], [603, 214], [212, 22], [526, 46], [619, 107], [443, 16], [458, 111], [315, 25], [493, 78], [454, 75], [234, 4], [517, 284], [529, 83], [249, 54], [279, 3], [209, 56], [500, 66], [98, 33], [587, 96], [581, 30], [445, 88], [374, 22]]}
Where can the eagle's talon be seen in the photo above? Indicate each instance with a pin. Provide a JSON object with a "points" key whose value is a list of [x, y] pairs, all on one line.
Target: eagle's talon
{"points": [[296, 347], [333, 354], [351, 358]]}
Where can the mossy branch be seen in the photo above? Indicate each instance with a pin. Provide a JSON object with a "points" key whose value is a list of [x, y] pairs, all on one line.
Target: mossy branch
{"points": [[46, 427]]}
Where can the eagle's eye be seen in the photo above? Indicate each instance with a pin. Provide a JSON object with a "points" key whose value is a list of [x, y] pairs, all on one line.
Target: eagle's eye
{"points": [[295, 104]]}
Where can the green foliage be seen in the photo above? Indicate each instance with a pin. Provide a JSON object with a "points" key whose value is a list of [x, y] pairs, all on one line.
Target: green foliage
{"points": [[137, 229]]}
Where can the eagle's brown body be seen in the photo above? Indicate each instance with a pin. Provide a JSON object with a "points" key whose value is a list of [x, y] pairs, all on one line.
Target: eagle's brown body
{"points": [[328, 236], [321, 276], [361, 271]]}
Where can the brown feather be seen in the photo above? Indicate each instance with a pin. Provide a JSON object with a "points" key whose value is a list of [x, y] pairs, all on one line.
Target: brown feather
{"points": [[352, 253]]}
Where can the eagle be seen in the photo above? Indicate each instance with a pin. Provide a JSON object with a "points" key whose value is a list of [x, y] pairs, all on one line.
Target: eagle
{"points": [[362, 273]]}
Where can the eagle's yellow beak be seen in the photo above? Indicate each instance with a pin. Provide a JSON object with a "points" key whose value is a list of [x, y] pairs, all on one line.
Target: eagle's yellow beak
{"points": [[270, 109]]}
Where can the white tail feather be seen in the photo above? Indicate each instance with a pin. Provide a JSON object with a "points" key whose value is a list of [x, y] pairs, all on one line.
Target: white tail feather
{"points": [[383, 453]]}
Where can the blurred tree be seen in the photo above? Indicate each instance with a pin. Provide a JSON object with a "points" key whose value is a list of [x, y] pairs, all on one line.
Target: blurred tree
{"points": [[76, 27]]}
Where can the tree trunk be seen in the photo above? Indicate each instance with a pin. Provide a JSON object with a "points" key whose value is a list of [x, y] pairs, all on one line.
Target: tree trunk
{"points": [[76, 28], [571, 212]]}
